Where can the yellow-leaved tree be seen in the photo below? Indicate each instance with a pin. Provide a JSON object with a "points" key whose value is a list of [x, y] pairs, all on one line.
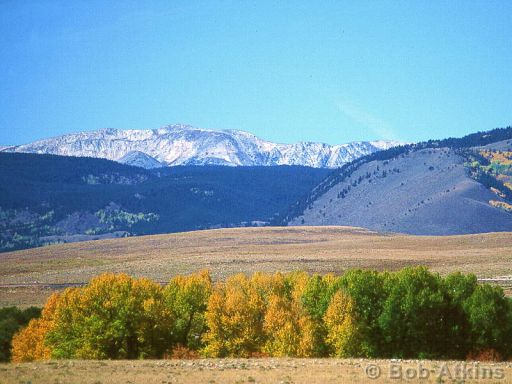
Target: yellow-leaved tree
{"points": [[288, 330], [29, 343], [268, 285], [343, 335], [234, 317], [113, 317]]}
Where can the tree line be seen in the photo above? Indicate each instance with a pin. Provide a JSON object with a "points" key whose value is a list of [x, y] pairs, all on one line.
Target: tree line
{"points": [[411, 313]]}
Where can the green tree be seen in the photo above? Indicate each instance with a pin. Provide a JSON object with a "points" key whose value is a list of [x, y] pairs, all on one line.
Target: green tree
{"points": [[459, 288], [368, 292], [186, 297], [315, 299], [414, 316], [489, 314]]}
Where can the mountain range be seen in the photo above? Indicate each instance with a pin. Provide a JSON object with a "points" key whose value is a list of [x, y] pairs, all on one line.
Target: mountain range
{"points": [[185, 145], [438, 187]]}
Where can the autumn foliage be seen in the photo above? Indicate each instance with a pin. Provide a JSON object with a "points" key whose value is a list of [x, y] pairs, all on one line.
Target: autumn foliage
{"points": [[412, 313], [30, 343]]}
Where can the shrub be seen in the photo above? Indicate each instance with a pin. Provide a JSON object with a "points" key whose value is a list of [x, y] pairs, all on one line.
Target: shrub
{"points": [[182, 353], [485, 355]]}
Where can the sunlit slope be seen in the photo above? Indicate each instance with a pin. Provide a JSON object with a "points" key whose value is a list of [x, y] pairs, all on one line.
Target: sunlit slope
{"points": [[427, 192], [228, 251]]}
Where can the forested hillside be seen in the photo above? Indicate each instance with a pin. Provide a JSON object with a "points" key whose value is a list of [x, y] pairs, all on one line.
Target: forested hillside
{"points": [[46, 199]]}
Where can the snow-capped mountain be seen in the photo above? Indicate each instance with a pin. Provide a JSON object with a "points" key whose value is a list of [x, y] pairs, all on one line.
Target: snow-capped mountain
{"points": [[186, 145], [140, 159]]}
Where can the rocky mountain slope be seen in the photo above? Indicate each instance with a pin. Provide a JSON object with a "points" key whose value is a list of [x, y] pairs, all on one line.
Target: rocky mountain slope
{"points": [[186, 145], [140, 159], [454, 186]]}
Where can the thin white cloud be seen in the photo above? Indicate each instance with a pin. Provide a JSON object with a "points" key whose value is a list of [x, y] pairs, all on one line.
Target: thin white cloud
{"points": [[376, 125]]}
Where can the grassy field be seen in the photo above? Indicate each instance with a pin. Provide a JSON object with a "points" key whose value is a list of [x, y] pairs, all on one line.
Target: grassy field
{"points": [[239, 371], [228, 251]]}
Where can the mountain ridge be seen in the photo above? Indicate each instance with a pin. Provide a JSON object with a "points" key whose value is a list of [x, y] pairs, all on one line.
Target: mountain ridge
{"points": [[439, 187], [182, 144]]}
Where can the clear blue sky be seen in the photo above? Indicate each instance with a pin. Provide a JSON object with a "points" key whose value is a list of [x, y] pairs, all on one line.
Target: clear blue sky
{"points": [[318, 70]]}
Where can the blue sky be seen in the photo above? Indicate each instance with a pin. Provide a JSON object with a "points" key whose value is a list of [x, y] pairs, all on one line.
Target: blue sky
{"points": [[287, 71]]}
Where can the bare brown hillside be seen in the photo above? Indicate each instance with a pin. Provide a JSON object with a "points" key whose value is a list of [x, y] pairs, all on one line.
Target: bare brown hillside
{"points": [[427, 192]]}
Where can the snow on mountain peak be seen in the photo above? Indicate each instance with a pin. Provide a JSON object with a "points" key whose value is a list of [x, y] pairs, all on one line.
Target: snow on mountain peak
{"points": [[182, 144], [140, 159]]}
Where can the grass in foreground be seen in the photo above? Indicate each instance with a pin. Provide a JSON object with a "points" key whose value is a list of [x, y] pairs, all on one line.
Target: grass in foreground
{"points": [[297, 371]]}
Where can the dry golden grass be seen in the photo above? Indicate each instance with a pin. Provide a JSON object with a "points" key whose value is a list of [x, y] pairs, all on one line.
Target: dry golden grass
{"points": [[228, 251], [297, 371], [24, 297]]}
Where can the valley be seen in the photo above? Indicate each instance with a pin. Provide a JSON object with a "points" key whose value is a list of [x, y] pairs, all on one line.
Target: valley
{"points": [[229, 251], [255, 192], [443, 187]]}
